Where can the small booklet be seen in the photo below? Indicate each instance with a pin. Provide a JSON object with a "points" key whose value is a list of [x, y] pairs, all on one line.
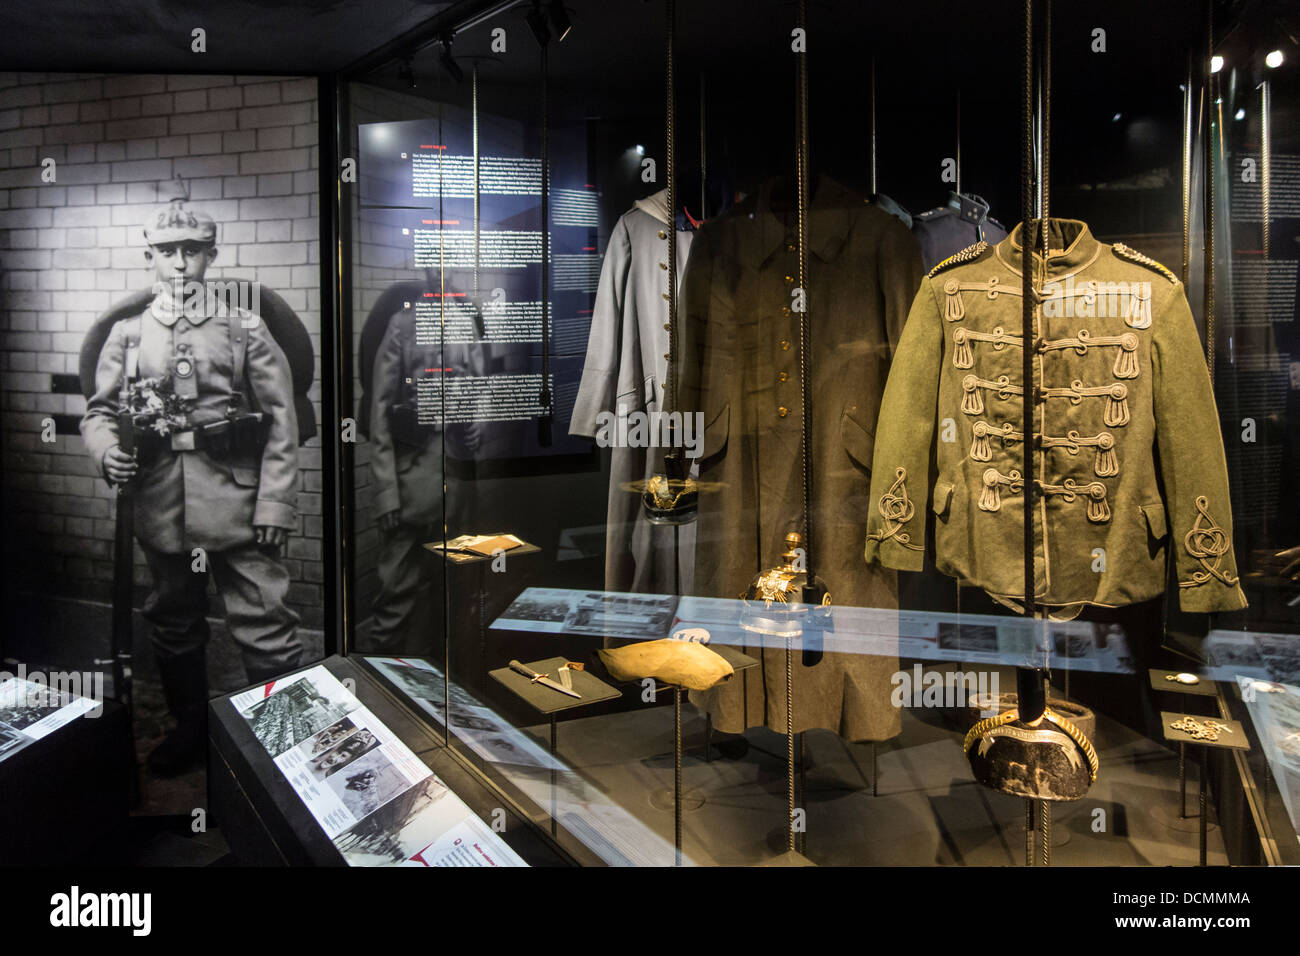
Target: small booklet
{"points": [[482, 544]]}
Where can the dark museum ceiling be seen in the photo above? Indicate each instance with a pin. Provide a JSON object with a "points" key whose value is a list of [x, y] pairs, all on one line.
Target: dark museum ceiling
{"points": [[153, 36]]}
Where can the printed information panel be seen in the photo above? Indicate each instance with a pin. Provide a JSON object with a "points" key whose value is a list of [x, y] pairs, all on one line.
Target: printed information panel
{"points": [[373, 797]]}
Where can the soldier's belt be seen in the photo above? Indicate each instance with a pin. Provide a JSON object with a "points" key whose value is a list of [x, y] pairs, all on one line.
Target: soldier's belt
{"points": [[242, 434]]}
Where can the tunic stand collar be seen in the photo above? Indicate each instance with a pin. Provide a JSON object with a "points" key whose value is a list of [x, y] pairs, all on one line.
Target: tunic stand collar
{"points": [[167, 310], [1070, 247]]}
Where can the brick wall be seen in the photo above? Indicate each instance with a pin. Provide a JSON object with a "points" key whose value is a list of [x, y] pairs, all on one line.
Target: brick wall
{"points": [[69, 249]]}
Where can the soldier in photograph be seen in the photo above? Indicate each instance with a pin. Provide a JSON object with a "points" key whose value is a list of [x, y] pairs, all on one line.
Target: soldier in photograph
{"points": [[213, 473], [407, 467]]}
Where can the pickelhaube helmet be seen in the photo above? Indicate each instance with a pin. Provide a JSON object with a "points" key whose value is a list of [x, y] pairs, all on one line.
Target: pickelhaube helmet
{"points": [[176, 221], [784, 602]]}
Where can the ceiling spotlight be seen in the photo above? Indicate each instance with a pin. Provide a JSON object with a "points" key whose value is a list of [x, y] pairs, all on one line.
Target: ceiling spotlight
{"points": [[559, 20], [1216, 64], [537, 23], [1240, 114], [451, 66], [1274, 59]]}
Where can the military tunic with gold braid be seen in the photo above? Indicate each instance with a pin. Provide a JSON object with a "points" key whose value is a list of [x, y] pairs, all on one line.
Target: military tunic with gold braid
{"points": [[1129, 457]]}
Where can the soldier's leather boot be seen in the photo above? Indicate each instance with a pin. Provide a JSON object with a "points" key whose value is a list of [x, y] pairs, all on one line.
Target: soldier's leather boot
{"points": [[185, 688]]}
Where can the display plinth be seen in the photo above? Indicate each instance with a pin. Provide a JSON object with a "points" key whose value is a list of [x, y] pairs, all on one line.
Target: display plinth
{"points": [[265, 820], [546, 700], [1202, 687], [66, 798]]}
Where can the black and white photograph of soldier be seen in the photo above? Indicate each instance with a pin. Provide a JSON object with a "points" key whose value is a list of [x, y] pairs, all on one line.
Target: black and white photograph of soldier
{"points": [[212, 470], [199, 524], [368, 783], [411, 495], [332, 761], [327, 738]]}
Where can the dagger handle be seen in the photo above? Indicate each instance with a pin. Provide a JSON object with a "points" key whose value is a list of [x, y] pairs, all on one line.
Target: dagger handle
{"points": [[519, 668]]}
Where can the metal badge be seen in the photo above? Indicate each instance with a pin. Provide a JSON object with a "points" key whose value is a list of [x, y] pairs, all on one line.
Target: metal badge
{"points": [[184, 382]]}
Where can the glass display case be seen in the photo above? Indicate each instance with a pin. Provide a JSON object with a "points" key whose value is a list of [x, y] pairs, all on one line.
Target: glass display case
{"points": [[702, 394], [680, 434]]}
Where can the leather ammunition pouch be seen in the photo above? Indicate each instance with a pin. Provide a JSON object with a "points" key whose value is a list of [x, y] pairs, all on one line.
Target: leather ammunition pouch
{"points": [[240, 436]]}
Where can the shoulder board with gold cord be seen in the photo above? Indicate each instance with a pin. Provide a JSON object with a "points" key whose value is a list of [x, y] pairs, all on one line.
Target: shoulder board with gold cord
{"points": [[1132, 255], [968, 254]]}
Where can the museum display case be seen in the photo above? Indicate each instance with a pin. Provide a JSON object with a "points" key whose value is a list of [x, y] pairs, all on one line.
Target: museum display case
{"points": [[722, 435], [692, 508]]}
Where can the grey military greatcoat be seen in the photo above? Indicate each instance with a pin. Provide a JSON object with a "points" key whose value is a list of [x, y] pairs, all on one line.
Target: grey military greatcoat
{"points": [[626, 367]]}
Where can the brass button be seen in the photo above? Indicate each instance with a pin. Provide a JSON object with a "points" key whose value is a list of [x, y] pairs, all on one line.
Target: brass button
{"points": [[662, 234], [789, 247], [785, 345], [665, 296], [782, 376], [785, 310], [789, 280], [663, 265], [668, 327], [666, 356], [783, 411]]}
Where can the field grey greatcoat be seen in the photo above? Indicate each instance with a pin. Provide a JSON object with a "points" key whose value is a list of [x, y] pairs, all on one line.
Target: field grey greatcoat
{"points": [[740, 365], [626, 368]]}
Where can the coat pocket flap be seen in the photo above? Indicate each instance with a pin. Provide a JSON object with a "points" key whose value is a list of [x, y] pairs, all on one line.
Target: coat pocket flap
{"points": [[942, 497], [858, 441], [636, 399], [246, 472], [1156, 520]]}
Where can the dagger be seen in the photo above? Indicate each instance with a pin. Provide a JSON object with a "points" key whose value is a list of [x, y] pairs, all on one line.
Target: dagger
{"points": [[537, 678]]}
